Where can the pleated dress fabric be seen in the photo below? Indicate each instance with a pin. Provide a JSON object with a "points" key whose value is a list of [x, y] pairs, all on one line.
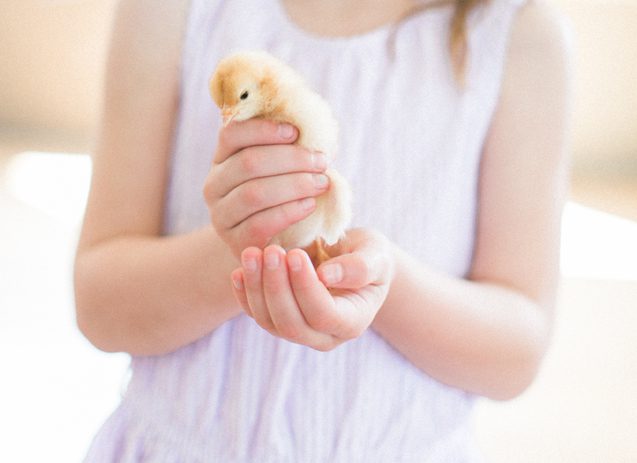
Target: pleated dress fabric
{"points": [[410, 141]]}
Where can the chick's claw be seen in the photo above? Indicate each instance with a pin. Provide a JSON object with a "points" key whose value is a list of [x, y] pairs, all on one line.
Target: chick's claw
{"points": [[318, 252]]}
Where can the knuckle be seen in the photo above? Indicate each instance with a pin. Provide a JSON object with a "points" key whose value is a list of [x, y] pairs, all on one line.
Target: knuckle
{"points": [[279, 218], [322, 322], [253, 229], [257, 232], [257, 227], [210, 189], [224, 139], [252, 195], [249, 162]]}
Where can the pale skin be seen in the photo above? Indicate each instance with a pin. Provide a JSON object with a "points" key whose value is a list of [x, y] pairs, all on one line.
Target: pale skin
{"points": [[147, 294]]}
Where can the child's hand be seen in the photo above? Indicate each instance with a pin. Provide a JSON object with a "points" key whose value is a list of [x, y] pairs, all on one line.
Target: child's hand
{"points": [[289, 299], [260, 183]]}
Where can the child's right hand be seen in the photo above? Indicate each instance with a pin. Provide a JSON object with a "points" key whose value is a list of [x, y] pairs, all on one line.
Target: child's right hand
{"points": [[260, 183]]}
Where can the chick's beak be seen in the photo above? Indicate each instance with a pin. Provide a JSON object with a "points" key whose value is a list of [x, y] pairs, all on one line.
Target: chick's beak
{"points": [[228, 113]]}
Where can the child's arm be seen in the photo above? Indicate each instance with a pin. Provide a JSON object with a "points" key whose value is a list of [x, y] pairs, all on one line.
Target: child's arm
{"points": [[489, 334], [136, 291]]}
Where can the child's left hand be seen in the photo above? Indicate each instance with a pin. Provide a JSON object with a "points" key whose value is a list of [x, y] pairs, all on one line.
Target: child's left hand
{"points": [[289, 299]]}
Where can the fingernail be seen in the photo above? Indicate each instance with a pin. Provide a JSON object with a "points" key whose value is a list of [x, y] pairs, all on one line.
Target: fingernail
{"points": [[286, 131], [332, 273], [272, 260], [319, 161], [237, 283], [295, 262], [320, 180], [307, 203], [250, 264]]}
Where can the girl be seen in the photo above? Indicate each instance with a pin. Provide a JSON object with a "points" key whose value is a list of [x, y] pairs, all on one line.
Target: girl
{"points": [[453, 136]]}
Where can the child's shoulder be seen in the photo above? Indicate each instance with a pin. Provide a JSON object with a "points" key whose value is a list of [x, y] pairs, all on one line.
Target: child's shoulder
{"points": [[540, 25], [148, 26], [541, 21], [146, 39]]}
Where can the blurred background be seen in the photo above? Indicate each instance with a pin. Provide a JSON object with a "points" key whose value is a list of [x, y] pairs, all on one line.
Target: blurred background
{"points": [[55, 389]]}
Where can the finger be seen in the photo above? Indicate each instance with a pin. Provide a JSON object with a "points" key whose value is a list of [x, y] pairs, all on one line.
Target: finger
{"points": [[263, 193], [238, 289], [252, 263], [284, 310], [258, 229], [315, 301], [262, 161], [350, 271], [363, 267], [253, 132]]}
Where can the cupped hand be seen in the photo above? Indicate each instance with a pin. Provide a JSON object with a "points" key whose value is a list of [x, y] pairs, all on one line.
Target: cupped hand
{"points": [[319, 308], [260, 183]]}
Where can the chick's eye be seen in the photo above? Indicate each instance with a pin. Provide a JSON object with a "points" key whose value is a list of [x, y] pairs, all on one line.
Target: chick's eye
{"points": [[244, 95]]}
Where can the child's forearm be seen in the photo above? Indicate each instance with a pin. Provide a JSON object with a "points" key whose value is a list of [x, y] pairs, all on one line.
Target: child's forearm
{"points": [[151, 295], [480, 337]]}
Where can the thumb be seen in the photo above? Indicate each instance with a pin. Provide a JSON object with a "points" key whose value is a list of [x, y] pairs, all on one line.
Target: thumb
{"points": [[352, 271]]}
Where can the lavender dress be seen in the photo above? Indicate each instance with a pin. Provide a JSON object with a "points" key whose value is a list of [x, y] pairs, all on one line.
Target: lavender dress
{"points": [[410, 146]]}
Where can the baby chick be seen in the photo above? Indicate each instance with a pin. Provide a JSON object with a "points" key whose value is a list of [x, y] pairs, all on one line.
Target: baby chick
{"points": [[255, 84]]}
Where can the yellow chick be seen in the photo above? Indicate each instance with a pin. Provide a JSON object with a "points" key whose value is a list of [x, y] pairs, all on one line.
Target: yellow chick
{"points": [[255, 84]]}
